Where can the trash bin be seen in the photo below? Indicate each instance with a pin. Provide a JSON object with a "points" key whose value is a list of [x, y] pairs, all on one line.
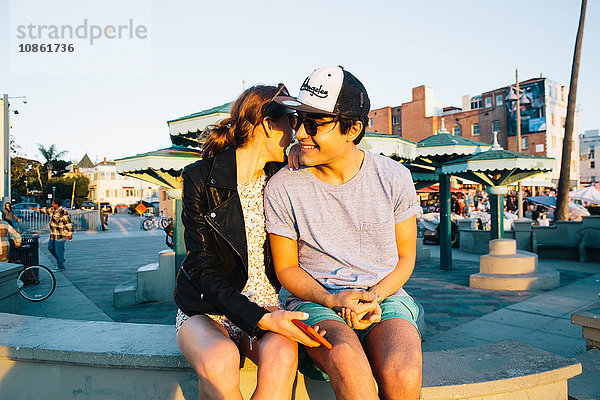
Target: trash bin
{"points": [[28, 253]]}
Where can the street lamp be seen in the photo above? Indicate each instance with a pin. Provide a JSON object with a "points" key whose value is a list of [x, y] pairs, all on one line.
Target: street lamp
{"points": [[517, 94], [53, 193], [5, 158]]}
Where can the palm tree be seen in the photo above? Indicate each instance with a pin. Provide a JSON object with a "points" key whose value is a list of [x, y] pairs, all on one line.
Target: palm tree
{"points": [[51, 155], [562, 200]]}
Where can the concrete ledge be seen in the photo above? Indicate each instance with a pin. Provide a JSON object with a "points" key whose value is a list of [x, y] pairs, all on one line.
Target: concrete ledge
{"points": [[98, 360], [9, 292]]}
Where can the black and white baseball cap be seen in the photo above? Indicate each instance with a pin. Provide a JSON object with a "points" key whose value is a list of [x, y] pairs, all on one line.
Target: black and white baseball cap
{"points": [[330, 91]]}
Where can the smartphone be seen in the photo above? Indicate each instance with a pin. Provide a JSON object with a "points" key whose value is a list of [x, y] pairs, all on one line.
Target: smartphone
{"points": [[312, 333]]}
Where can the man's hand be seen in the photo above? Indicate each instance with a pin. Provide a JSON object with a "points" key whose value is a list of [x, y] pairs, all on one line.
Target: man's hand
{"points": [[353, 320], [294, 157], [359, 301]]}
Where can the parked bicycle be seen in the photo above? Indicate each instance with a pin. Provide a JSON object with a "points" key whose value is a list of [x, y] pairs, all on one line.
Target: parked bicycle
{"points": [[150, 222], [35, 282]]}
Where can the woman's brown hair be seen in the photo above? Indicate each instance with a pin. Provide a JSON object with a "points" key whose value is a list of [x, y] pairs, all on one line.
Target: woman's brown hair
{"points": [[244, 116]]}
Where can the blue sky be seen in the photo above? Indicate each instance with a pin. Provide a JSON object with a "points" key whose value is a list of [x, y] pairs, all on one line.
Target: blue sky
{"points": [[201, 51]]}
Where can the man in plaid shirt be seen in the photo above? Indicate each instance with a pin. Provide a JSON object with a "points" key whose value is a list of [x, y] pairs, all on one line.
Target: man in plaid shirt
{"points": [[5, 231], [61, 230]]}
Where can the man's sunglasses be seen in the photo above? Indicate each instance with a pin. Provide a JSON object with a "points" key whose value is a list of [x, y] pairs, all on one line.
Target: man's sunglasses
{"points": [[268, 106], [310, 124]]}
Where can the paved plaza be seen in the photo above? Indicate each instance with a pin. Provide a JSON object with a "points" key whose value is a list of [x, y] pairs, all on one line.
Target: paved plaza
{"points": [[98, 261]]}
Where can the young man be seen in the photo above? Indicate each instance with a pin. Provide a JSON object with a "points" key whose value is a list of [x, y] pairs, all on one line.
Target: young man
{"points": [[343, 239], [61, 230]]}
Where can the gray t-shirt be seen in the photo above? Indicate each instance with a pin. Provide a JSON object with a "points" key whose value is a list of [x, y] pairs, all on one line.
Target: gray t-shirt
{"points": [[345, 233]]}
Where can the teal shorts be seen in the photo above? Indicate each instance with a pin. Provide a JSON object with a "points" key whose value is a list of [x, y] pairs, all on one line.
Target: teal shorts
{"points": [[402, 307]]}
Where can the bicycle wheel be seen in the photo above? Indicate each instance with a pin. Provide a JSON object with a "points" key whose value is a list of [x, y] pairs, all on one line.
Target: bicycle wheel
{"points": [[148, 224], [36, 283], [164, 222]]}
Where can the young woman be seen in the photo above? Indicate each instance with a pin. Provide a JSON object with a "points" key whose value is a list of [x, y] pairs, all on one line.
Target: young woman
{"points": [[226, 288], [8, 215]]}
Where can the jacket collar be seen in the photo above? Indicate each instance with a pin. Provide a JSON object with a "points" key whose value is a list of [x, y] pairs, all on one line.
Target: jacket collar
{"points": [[221, 173]]}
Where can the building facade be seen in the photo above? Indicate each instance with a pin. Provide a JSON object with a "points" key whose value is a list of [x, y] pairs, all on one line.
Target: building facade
{"points": [[106, 185], [589, 142], [543, 117]]}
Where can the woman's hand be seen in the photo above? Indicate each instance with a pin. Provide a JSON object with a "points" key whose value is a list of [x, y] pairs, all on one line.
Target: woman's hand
{"points": [[280, 321], [294, 157]]}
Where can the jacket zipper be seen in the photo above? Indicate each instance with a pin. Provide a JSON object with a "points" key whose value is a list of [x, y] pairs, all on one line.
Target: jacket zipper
{"points": [[226, 239]]}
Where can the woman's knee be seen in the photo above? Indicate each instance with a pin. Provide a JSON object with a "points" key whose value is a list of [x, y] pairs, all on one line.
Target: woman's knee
{"points": [[221, 359]]}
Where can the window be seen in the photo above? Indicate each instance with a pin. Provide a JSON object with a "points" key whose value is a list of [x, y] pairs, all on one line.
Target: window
{"points": [[592, 152], [499, 100], [592, 164], [562, 121], [475, 130], [553, 142], [475, 102], [370, 121], [539, 148], [112, 175], [495, 126], [108, 193], [488, 102], [593, 178], [456, 131], [524, 143], [395, 120], [553, 119], [562, 93]]}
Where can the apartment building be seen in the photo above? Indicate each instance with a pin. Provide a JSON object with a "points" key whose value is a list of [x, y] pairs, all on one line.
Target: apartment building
{"points": [[589, 142], [106, 185]]}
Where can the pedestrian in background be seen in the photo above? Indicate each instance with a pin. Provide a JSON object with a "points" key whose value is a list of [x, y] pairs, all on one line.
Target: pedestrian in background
{"points": [[61, 230], [8, 215]]}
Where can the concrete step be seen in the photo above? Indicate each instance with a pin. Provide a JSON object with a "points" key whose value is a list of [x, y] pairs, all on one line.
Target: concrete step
{"points": [[587, 385], [125, 295], [541, 279], [147, 277]]}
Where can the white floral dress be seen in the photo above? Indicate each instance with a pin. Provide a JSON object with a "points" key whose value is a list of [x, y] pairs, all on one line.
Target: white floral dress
{"points": [[258, 288]]}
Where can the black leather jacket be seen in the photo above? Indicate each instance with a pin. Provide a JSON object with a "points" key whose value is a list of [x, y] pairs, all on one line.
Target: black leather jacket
{"points": [[215, 269]]}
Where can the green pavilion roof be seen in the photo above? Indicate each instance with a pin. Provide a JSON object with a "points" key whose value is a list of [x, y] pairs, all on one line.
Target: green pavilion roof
{"points": [[162, 167], [222, 109], [389, 145], [448, 139]]}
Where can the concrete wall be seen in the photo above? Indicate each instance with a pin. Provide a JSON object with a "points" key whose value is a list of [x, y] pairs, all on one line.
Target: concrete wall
{"points": [[46, 358], [9, 293], [581, 237]]}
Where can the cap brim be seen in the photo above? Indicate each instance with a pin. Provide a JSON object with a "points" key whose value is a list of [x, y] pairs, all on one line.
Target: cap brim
{"points": [[294, 104]]}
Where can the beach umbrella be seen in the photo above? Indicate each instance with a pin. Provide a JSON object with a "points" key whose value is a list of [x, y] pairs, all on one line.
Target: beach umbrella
{"points": [[589, 194]]}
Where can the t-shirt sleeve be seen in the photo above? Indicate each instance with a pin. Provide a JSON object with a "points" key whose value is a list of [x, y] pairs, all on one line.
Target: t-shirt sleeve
{"points": [[406, 201], [279, 214]]}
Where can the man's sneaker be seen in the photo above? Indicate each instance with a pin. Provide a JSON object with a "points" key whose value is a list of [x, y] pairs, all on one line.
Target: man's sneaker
{"points": [[55, 270]]}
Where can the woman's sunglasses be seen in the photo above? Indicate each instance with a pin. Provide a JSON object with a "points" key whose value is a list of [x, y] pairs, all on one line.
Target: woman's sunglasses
{"points": [[310, 124], [267, 107]]}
